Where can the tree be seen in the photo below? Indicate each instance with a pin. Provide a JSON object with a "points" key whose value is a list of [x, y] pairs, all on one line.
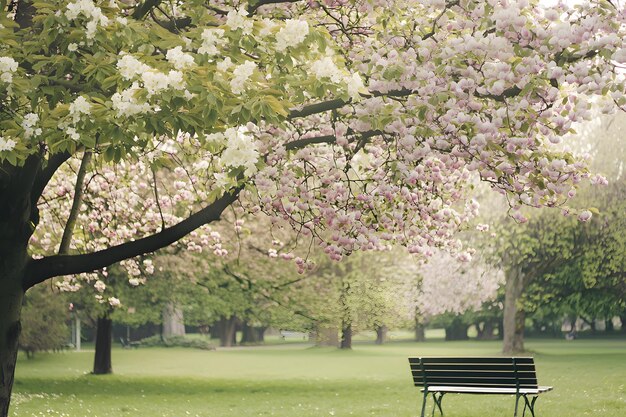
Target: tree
{"points": [[354, 124], [44, 317], [451, 287], [558, 263]]}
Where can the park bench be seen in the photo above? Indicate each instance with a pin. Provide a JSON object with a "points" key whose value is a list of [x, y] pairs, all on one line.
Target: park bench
{"points": [[128, 344], [474, 375]]}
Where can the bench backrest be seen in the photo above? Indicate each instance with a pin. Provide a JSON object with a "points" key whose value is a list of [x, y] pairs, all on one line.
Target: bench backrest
{"points": [[496, 372]]}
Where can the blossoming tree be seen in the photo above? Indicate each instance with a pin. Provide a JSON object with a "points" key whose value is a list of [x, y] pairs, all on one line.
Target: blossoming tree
{"points": [[359, 122]]}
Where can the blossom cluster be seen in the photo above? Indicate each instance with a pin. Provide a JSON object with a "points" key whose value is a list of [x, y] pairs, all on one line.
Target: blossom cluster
{"points": [[90, 12], [292, 34], [6, 145], [8, 66]]}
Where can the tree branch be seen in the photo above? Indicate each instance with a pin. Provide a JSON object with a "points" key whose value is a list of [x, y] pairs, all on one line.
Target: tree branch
{"points": [[144, 8], [323, 106], [45, 174], [254, 7], [302, 143], [68, 231], [38, 270]]}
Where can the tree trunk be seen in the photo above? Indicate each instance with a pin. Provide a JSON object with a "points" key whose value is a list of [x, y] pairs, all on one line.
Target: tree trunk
{"points": [[381, 334], [487, 331], [11, 296], [457, 330], [622, 319], [228, 334], [18, 218], [346, 336], [102, 359], [173, 323], [420, 333], [608, 325], [514, 317], [252, 334]]}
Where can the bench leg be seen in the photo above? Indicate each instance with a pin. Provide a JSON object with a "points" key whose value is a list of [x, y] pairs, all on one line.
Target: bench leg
{"points": [[438, 402], [424, 403], [516, 403], [530, 404]]}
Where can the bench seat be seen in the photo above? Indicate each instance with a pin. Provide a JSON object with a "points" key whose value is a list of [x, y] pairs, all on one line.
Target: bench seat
{"points": [[485, 390]]}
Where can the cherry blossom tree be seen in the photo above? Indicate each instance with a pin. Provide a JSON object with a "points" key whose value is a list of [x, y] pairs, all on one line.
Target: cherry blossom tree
{"points": [[358, 122]]}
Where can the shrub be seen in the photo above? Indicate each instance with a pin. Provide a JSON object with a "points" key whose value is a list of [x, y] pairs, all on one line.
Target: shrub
{"points": [[178, 341], [43, 321]]}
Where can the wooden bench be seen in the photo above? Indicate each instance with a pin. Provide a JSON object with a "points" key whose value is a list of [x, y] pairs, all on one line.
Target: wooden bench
{"points": [[498, 375], [127, 345]]}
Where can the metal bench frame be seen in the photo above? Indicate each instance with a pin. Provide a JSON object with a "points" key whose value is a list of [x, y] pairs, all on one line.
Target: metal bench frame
{"points": [[477, 375]]}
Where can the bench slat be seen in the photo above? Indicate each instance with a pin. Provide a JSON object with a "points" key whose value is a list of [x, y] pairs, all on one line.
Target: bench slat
{"points": [[479, 390], [467, 360], [477, 381], [475, 374], [473, 368]]}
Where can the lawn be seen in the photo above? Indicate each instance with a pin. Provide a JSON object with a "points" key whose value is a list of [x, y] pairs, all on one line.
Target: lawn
{"points": [[296, 380]]}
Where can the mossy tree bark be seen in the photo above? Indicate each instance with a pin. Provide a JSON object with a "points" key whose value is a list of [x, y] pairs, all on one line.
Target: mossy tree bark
{"points": [[514, 316]]}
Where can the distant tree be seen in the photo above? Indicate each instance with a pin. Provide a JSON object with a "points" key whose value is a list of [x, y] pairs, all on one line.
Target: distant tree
{"points": [[44, 316]]}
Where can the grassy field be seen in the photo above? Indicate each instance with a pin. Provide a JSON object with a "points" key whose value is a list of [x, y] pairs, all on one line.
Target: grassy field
{"points": [[294, 380]]}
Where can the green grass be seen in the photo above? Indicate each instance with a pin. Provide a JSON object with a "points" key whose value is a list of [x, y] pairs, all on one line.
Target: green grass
{"points": [[292, 380]]}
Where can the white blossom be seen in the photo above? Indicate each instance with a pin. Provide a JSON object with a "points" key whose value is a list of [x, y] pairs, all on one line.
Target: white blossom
{"points": [[127, 105], [225, 65], [268, 27], [326, 68], [241, 75], [72, 133], [6, 144], [179, 59], [130, 67], [212, 39], [114, 302], [78, 107], [292, 34], [354, 84], [155, 81], [99, 286], [91, 12], [72, 47], [236, 19], [241, 150], [28, 124], [7, 67]]}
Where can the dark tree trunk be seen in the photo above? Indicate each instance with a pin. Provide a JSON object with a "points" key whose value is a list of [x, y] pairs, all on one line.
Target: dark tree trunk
{"points": [[622, 319], [252, 334], [18, 218], [102, 359], [215, 330], [381, 334], [346, 336], [457, 330], [228, 334], [608, 326], [11, 296], [420, 328], [487, 330], [514, 316], [420, 333]]}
